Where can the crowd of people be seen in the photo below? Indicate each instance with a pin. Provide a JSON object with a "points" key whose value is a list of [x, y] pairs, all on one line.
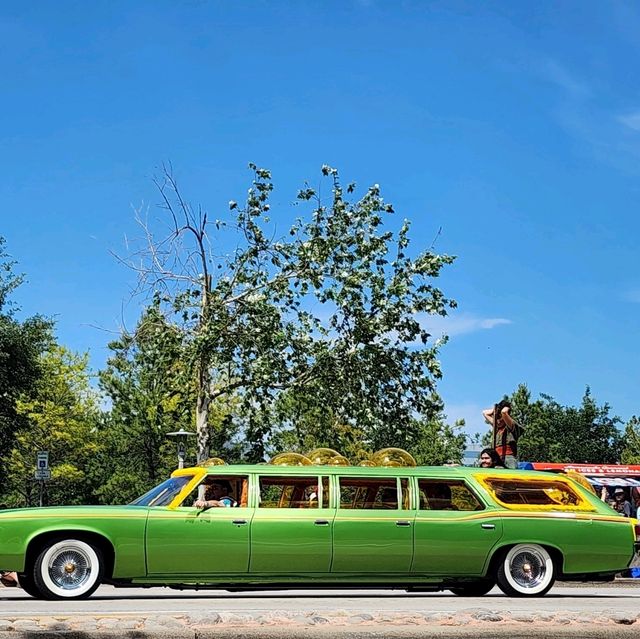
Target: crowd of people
{"points": [[625, 501]]}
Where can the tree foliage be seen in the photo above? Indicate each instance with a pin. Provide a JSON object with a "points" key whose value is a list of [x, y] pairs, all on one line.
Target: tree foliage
{"points": [[20, 345], [631, 449], [151, 394], [310, 425], [438, 442], [566, 434], [59, 415], [145, 384], [329, 314]]}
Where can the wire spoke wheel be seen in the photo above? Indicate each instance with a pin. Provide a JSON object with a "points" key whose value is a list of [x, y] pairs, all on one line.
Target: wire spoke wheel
{"points": [[68, 569], [526, 570]]}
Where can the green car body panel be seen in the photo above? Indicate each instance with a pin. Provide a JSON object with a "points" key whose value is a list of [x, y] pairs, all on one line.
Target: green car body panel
{"points": [[122, 528], [253, 545]]}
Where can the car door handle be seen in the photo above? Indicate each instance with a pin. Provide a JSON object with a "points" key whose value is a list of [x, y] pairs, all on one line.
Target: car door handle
{"points": [[321, 522], [403, 522], [239, 522], [489, 526]]}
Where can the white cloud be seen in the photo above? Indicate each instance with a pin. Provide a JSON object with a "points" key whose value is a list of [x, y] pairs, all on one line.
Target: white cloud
{"points": [[555, 73], [632, 295], [631, 120], [462, 324]]}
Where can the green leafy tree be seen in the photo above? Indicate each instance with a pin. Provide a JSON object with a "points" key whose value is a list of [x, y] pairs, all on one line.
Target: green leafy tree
{"points": [[144, 383], [303, 425], [631, 447], [431, 441], [566, 434], [330, 313], [21, 343], [438, 442], [59, 415], [151, 394]]}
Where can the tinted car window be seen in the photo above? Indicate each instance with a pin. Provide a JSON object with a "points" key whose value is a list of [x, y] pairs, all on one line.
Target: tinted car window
{"points": [[235, 488], [373, 493], [535, 493], [293, 492], [437, 494]]}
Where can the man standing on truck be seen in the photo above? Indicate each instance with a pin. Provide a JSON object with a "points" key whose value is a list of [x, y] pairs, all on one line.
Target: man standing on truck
{"points": [[505, 432]]}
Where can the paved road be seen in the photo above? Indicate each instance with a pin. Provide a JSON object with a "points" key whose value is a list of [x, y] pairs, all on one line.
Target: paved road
{"points": [[137, 601]]}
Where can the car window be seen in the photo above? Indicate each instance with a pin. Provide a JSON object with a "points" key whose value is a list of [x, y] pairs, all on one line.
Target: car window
{"points": [[446, 494], [233, 490], [540, 494], [293, 492], [164, 493], [382, 493]]}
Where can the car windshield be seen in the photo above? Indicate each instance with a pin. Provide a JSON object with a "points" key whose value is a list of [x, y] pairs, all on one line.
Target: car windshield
{"points": [[163, 494]]}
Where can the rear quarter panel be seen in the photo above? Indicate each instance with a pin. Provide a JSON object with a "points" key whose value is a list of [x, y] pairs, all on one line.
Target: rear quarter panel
{"points": [[588, 543]]}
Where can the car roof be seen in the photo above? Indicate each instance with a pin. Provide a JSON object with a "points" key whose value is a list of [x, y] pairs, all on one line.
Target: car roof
{"points": [[370, 471]]}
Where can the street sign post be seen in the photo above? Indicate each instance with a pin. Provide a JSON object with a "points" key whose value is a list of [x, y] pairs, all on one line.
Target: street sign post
{"points": [[43, 473], [42, 462]]}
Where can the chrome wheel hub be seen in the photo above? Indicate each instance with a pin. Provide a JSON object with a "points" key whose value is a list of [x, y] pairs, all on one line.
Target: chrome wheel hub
{"points": [[69, 568], [528, 569]]}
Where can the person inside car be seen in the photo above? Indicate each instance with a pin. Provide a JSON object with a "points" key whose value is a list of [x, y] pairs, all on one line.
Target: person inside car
{"points": [[216, 495], [489, 458]]}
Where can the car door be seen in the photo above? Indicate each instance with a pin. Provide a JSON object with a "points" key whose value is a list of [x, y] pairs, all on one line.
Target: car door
{"points": [[291, 529], [373, 528], [191, 541], [454, 530]]}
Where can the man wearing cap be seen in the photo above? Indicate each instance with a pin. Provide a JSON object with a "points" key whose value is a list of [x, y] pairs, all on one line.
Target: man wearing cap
{"points": [[622, 504]]}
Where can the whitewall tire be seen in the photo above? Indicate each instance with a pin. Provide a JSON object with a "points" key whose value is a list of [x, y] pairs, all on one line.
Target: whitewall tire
{"points": [[526, 570], [68, 569]]}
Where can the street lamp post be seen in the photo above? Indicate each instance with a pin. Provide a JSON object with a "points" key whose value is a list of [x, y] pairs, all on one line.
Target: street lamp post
{"points": [[181, 440]]}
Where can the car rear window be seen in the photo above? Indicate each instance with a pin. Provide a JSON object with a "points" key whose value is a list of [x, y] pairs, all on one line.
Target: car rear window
{"points": [[535, 494]]}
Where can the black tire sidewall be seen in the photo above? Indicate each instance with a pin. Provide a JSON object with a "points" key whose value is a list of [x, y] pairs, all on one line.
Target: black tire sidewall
{"points": [[27, 582]]}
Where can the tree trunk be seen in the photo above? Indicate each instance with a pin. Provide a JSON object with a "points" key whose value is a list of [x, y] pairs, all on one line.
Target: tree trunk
{"points": [[202, 413]]}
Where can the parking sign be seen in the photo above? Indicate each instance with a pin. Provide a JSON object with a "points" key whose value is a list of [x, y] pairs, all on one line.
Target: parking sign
{"points": [[42, 462]]}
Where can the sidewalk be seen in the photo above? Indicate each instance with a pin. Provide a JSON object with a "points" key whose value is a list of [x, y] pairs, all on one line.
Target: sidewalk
{"points": [[195, 624]]}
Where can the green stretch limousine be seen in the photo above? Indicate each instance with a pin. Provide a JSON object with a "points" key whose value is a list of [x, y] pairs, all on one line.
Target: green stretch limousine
{"points": [[422, 528]]}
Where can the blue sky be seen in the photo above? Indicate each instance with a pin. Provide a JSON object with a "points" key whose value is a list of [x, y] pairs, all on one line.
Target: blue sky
{"points": [[514, 126]]}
